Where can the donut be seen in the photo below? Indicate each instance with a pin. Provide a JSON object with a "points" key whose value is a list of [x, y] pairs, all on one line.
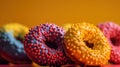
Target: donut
{"points": [[85, 43], [112, 33], [66, 26], [11, 46], [44, 45]]}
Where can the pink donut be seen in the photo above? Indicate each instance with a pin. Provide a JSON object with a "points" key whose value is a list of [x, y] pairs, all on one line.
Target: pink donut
{"points": [[112, 33]]}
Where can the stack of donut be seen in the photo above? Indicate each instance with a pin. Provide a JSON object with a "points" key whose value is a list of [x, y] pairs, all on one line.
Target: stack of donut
{"points": [[50, 45]]}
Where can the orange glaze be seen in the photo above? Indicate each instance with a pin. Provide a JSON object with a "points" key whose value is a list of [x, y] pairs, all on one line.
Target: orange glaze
{"points": [[77, 49]]}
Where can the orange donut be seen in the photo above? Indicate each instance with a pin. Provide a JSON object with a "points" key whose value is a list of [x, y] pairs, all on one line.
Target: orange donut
{"points": [[85, 43]]}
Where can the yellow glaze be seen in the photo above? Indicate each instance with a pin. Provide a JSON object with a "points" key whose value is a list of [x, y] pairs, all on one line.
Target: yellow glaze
{"points": [[17, 29]]}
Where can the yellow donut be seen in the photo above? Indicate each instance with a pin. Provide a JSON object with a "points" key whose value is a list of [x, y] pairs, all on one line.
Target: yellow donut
{"points": [[17, 29], [85, 43]]}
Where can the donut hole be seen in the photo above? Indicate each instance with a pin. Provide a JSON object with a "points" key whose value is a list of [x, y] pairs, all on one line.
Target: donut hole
{"points": [[89, 45], [113, 41], [51, 44]]}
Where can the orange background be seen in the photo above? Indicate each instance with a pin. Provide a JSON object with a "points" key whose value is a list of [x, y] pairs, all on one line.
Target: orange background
{"points": [[34, 12]]}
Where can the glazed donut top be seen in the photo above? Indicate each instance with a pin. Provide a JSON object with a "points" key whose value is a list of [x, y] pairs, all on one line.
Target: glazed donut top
{"points": [[17, 29]]}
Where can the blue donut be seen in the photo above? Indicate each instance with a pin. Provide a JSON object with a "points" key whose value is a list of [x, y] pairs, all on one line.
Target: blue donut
{"points": [[11, 47]]}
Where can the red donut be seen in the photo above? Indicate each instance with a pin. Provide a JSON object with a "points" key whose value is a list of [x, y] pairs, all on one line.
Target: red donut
{"points": [[44, 45], [112, 33]]}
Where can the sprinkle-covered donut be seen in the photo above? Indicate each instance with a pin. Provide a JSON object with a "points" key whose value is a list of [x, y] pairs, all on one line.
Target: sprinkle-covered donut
{"points": [[11, 46], [44, 45], [85, 43], [112, 33]]}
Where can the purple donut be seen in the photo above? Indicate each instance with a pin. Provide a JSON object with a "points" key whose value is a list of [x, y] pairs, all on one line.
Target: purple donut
{"points": [[112, 33], [44, 45]]}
